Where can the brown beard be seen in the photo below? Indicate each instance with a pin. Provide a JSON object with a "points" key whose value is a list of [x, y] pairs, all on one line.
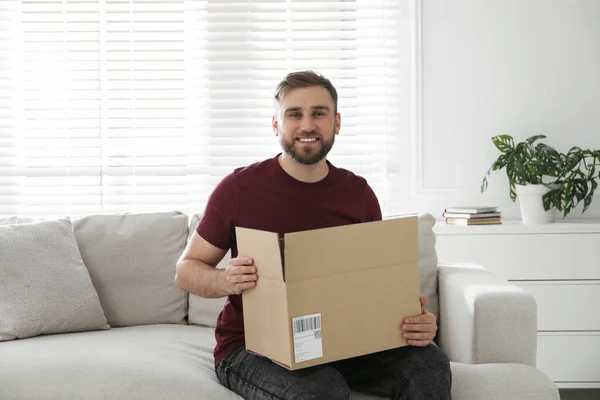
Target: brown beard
{"points": [[308, 158]]}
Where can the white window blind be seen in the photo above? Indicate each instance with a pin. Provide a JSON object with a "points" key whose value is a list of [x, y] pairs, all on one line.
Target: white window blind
{"points": [[117, 105]]}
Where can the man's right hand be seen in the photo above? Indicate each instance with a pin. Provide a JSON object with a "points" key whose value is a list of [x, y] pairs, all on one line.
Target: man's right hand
{"points": [[239, 275]]}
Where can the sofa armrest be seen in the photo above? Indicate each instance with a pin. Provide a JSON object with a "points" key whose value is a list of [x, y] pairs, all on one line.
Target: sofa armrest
{"points": [[484, 318]]}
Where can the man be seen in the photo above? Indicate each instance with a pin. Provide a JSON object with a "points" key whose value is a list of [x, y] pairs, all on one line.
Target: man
{"points": [[300, 190]]}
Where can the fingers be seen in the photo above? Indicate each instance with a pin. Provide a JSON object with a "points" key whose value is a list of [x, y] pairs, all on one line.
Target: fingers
{"points": [[238, 283], [419, 330], [418, 327], [427, 318], [423, 303], [418, 338], [233, 278], [244, 286], [240, 275], [241, 270], [240, 261], [418, 343], [417, 335]]}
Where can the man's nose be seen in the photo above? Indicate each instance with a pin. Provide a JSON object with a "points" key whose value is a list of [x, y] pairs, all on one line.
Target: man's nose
{"points": [[307, 124]]}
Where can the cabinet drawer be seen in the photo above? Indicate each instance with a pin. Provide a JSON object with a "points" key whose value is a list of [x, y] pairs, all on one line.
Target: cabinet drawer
{"points": [[566, 306], [526, 256], [569, 357]]}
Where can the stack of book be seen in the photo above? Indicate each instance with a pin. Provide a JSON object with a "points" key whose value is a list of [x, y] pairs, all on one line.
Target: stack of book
{"points": [[472, 216]]}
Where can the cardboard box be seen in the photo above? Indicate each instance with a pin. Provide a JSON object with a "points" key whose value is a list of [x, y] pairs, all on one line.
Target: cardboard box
{"points": [[329, 294]]}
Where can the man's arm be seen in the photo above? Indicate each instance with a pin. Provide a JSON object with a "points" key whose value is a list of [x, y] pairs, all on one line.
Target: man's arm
{"points": [[196, 272]]}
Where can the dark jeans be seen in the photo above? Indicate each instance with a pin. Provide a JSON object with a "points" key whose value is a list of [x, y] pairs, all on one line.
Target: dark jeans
{"points": [[406, 373]]}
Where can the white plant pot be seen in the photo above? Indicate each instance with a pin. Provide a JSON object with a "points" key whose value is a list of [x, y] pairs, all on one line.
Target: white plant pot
{"points": [[532, 205]]}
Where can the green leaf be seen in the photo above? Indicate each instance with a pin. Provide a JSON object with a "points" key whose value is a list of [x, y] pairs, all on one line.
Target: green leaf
{"points": [[569, 195], [504, 143], [513, 193], [484, 184], [588, 199], [500, 162], [591, 171], [575, 150], [512, 176], [558, 199], [549, 160], [572, 161], [580, 189], [587, 202], [520, 172], [547, 200], [532, 139]]}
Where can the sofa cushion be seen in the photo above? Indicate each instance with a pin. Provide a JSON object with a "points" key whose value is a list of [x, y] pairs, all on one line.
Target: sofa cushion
{"points": [[501, 381], [44, 286], [494, 382], [131, 259], [175, 362], [205, 311], [151, 362]]}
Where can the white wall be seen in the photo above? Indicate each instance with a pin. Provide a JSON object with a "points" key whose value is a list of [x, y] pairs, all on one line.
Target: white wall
{"points": [[488, 67]]}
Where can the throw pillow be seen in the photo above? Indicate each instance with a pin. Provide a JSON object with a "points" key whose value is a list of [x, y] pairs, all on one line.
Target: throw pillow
{"points": [[131, 258], [45, 287]]}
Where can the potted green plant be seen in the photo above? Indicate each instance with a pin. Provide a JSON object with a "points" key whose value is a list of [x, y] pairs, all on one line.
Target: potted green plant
{"points": [[545, 179]]}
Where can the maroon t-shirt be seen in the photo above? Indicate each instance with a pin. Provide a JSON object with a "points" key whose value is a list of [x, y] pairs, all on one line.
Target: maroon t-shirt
{"points": [[263, 196]]}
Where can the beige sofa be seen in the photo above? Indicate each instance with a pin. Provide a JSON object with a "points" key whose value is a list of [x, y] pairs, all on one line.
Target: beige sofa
{"points": [[89, 310]]}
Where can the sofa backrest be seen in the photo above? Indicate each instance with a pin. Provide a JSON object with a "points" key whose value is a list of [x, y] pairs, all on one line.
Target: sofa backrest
{"points": [[428, 262], [131, 259], [204, 311]]}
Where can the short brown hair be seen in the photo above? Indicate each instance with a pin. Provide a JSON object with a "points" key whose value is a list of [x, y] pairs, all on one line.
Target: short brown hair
{"points": [[302, 79]]}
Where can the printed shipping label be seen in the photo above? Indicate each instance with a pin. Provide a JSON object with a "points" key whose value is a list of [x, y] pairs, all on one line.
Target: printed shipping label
{"points": [[308, 344]]}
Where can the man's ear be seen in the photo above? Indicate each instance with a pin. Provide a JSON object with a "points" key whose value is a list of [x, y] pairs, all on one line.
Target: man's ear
{"points": [[275, 125], [338, 123]]}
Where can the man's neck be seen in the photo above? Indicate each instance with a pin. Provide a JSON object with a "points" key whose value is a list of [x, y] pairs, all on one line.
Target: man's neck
{"points": [[304, 173]]}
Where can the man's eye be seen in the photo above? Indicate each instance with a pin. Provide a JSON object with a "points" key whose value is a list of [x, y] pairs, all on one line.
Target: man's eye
{"points": [[294, 115], [319, 114]]}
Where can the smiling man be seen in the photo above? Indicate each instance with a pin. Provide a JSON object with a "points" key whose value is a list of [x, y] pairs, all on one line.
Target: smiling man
{"points": [[294, 191]]}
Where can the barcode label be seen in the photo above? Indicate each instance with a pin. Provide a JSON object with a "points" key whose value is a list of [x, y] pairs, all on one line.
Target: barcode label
{"points": [[308, 343], [307, 323]]}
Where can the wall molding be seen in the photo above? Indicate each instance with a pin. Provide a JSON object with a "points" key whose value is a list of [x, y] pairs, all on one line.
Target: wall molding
{"points": [[418, 165]]}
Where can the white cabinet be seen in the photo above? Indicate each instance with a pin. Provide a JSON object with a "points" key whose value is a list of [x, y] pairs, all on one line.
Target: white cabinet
{"points": [[559, 264]]}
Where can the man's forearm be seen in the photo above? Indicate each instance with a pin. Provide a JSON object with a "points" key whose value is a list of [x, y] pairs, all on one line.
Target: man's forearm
{"points": [[200, 279]]}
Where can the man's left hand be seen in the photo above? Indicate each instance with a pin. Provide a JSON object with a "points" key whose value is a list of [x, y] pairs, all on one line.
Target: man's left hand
{"points": [[420, 329]]}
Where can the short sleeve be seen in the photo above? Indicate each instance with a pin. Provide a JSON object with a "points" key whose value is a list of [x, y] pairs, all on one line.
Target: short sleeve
{"points": [[218, 220], [373, 210]]}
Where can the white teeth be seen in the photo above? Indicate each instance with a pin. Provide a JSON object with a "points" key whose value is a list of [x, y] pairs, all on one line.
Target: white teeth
{"points": [[308, 140]]}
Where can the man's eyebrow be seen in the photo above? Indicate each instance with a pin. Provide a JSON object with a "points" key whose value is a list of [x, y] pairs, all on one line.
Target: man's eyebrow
{"points": [[317, 107]]}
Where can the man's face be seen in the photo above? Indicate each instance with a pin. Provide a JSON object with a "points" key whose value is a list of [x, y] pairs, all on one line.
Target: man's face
{"points": [[306, 124]]}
